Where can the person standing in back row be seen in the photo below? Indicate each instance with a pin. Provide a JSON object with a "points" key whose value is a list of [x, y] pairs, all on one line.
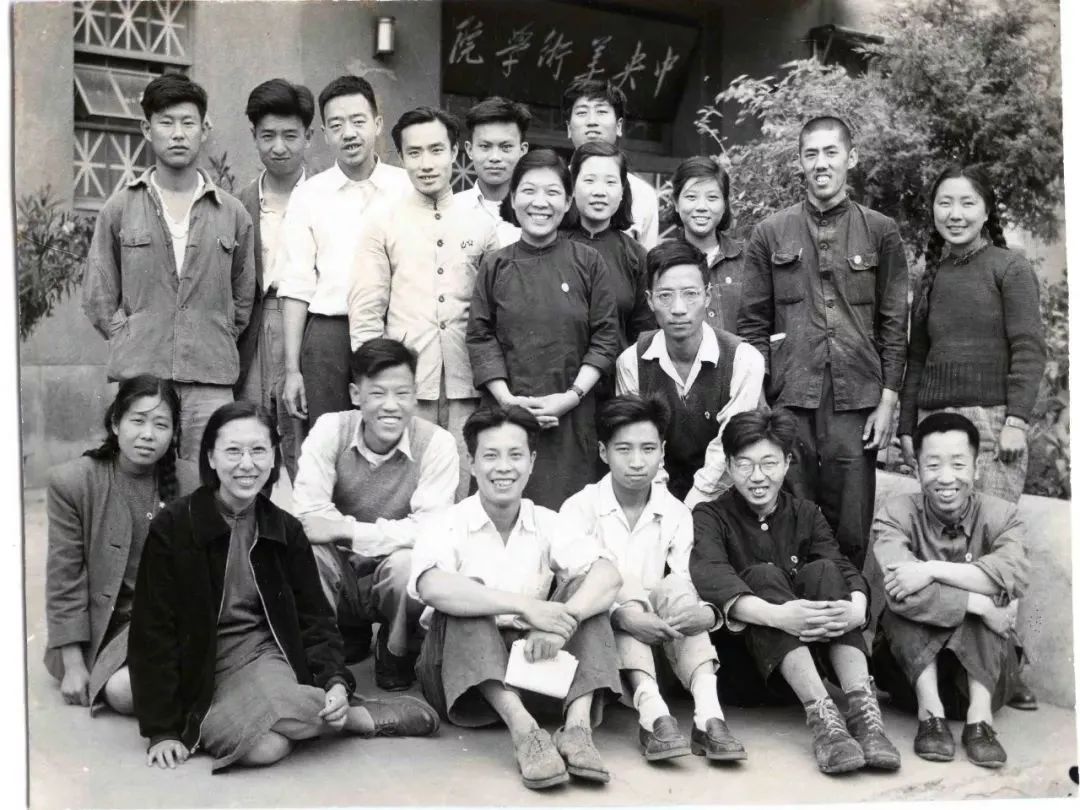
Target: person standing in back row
{"points": [[825, 302]]}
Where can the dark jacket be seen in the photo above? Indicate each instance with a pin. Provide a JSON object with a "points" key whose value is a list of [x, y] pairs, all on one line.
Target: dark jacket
{"points": [[248, 341], [827, 287], [172, 645]]}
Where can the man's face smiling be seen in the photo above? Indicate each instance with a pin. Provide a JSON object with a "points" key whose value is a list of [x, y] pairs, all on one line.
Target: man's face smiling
{"points": [[593, 119], [502, 464], [946, 467], [176, 134], [282, 142], [351, 128], [428, 157], [826, 160], [387, 401], [494, 150]]}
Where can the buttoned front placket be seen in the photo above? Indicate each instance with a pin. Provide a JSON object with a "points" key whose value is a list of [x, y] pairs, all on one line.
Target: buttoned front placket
{"points": [[829, 237], [445, 259]]}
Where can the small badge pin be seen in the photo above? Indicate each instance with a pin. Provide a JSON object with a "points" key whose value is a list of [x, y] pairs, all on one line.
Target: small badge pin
{"points": [[794, 559], [727, 279], [858, 259], [708, 415], [967, 557], [565, 287]]}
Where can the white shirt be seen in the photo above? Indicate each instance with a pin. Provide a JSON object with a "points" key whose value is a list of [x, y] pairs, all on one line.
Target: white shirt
{"points": [[645, 212], [178, 229], [463, 540], [313, 491], [506, 233], [270, 220], [747, 376], [321, 230]]}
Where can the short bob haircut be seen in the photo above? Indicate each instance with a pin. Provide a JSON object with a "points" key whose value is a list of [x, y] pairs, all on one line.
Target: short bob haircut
{"points": [[623, 217], [630, 409], [377, 355], [945, 422], [218, 419], [673, 253], [498, 110], [425, 115], [821, 122], [168, 91], [347, 86], [280, 97], [493, 416], [697, 167], [535, 159], [590, 89], [747, 428]]}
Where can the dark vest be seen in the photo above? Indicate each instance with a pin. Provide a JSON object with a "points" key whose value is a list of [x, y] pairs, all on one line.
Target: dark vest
{"points": [[693, 418]]}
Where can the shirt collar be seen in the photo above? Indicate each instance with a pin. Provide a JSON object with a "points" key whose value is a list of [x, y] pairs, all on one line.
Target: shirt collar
{"points": [[300, 182], [608, 504], [782, 503], [441, 203], [206, 187], [937, 525], [708, 351], [829, 213], [476, 518], [403, 443], [377, 178]]}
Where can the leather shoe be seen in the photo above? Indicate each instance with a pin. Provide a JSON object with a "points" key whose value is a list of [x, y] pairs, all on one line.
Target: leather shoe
{"points": [[1023, 697], [665, 741], [540, 764], [575, 745], [934, 740], [401, 716], [393, 673], [716, 742], [981, 745]]}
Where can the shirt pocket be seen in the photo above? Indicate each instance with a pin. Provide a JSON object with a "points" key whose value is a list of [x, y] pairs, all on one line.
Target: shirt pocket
{"points": [[136, 254], [862, 278], [787, 280]]}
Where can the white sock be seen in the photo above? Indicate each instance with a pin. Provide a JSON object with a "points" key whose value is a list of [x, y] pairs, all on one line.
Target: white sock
{"points": [[650, 706], [706, 701]]}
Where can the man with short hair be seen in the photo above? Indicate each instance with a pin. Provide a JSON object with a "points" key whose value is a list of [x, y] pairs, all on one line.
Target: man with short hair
{"points": [[954, 564], [793, 605], [318, 245], [495, 131], [594, 110], [705, 375], [647, 531], [366, 477], [485, 568], [280, 114], [824, 299], [170, 275], [414, 272]]}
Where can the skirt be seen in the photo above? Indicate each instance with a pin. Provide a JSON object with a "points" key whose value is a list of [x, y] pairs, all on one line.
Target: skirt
{"points": [[248, 702]]}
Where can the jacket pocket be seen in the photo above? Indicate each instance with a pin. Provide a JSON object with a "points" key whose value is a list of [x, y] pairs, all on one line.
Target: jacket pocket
{"points": [[117, 322], [787, 280], [862, 278]]}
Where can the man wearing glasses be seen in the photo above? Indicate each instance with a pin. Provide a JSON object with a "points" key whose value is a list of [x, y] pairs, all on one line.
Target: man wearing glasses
{"points": [[705, 375]]}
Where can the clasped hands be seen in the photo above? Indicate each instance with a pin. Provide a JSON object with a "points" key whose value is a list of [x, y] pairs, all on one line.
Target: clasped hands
{"points": [[649, 628], [548, 408], [818, 620]]}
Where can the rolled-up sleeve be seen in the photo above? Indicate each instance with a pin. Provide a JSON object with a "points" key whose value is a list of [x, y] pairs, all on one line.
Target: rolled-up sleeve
{"points": [[369, 295], [297, 251], [435, 548], [485, 354], [1007, 563], [573, 551]]}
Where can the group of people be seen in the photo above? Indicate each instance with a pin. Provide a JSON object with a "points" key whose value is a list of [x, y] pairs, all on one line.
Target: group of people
{"points": [[512, 415]]}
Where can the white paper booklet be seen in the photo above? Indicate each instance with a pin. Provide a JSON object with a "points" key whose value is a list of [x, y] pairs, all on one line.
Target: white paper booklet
{"points": [[551, 677]]}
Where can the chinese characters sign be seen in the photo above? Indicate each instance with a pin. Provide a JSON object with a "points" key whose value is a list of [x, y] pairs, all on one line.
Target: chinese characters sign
{"points": [[530, 51]]}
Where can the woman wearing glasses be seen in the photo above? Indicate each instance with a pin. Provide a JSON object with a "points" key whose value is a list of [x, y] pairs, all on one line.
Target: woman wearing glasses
{"points": [[705, 375], [233, 645]]}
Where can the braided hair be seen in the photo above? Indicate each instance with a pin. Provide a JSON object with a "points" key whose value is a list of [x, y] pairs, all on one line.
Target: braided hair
{"points": [[144, 385], [935, 245]]}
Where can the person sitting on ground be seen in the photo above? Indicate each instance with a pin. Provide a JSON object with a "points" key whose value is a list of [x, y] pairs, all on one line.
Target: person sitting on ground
{"points": [[645, 529], [233, 646], [770, 562], [365, 477], [954, 563], [99, 508], [485, 568]]}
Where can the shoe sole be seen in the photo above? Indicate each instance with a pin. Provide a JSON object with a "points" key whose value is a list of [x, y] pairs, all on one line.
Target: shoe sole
{"points": [[1024, 707], [589, 774], [993, 765], [884, 764], [722, 756], [930, 756], [551, 781], [402, 687], [660, 756], [846, 766]]}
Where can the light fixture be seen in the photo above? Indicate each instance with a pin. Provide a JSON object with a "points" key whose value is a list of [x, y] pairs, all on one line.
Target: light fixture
{"points": [[384, 37]]}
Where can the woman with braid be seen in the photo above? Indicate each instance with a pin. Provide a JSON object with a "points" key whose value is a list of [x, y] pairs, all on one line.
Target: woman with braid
{"points": [[976, 344], [99, 508], [976, 335]]}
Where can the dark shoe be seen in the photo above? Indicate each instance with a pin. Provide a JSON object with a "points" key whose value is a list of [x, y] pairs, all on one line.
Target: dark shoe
{"points": [[866, 726], [981, 745], [401, 716], [1023, 697], [834, 748], [393, 673], [575, 744], [665, 741], [716, 742], [540, 764], [934, 741]]}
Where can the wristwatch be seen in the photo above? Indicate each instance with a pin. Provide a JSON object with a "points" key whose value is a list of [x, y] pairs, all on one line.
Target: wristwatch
{"points": [[1016, 422], [577, 390]]}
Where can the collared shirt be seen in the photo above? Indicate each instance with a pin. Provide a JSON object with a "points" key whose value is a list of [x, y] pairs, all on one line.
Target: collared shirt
{"points": [[413, 279], [645, 212], [990, 535], [178, 229], [827, 291], [473, 197], [463, 540], [725, 263], [270, 222], [313, 491], [321, 231], [747, 373], [182, 325]]}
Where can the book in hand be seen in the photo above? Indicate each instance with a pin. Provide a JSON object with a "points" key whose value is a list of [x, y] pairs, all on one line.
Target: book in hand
{"points": [[551, 677]]}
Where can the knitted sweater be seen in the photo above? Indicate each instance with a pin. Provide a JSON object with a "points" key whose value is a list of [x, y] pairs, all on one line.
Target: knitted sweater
{"points": [[981, 342]]}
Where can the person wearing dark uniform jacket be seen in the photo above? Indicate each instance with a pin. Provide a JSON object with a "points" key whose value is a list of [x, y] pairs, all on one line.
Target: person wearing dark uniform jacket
{"points": [[233, 646], [794, 607], [953, 563], [825, 301], [542, 328]]}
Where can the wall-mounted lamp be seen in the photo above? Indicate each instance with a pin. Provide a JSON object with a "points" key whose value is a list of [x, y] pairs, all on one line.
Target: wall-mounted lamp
{"points": [[384, 37]]}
